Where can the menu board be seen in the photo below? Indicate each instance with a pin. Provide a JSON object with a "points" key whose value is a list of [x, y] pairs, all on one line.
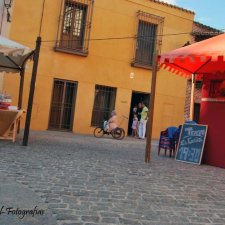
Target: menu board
{"points": [[191, 143]]}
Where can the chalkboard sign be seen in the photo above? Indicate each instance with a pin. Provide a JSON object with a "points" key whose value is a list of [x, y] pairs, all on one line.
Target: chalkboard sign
{"points": [[191, 143]]}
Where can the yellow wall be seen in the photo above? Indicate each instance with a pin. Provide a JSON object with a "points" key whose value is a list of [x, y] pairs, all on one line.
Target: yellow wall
{"points": [[83, 108], [108, 62], [1, 82]]}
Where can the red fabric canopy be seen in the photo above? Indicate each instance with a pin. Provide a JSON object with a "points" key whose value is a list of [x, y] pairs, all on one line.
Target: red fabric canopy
{"points": [[204, 57]]}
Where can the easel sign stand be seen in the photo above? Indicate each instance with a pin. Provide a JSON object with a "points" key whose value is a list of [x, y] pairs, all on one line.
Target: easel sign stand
{"points": [[191, 143]]}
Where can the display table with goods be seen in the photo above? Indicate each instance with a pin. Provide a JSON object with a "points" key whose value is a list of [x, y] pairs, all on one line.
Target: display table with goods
{"points": [[5, 101], [9, 118]]}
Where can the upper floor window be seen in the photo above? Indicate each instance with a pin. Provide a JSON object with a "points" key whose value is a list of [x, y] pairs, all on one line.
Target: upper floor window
{"points": [[74, 27], [149, 38]]}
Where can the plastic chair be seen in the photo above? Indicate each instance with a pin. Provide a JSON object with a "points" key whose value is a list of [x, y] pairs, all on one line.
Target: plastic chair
{"points": [[176, 137], [167, 141]]}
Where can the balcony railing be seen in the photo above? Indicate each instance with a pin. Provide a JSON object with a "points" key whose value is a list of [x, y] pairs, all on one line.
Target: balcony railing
{"points": [[74, 26]]}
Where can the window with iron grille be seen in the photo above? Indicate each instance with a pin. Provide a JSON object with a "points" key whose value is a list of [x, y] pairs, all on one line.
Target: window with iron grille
{"points": [[149, 39], [62, 105], [104, 103], [75, 26]]}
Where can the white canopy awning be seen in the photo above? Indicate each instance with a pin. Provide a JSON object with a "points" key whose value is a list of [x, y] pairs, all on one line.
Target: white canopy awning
{"points": [[13, 55]]}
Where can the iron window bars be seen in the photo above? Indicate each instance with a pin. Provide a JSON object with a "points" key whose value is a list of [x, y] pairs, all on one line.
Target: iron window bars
{"points": [[74, 26], [62, 105], [149, 38], [104, 103]]}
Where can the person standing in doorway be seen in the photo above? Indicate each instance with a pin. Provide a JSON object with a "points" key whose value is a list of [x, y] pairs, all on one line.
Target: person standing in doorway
{"points": [[135, 109], [143, 121], [139, 110], [134, 126]]}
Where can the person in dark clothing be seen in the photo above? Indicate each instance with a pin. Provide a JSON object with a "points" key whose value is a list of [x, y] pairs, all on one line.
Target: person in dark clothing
{"points": [[139, 110]]}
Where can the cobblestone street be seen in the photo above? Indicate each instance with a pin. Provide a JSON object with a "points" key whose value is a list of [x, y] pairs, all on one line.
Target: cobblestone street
{"points": [[89, 181]]}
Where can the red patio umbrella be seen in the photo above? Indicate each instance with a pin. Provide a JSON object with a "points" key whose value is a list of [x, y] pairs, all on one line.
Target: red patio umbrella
{"points": [[205, 57]]}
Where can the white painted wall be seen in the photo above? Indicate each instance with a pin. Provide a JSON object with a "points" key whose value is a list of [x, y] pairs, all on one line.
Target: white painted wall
{"points": [[4, 31], [4, 25]]}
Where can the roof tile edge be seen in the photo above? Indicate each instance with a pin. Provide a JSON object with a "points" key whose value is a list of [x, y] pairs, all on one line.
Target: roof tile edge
{"points": [[173, 6], [208, 27]]}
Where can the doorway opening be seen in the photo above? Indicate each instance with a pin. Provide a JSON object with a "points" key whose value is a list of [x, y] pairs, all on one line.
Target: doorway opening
{"points": [[197, 109], [136, 98], [62, 105]]}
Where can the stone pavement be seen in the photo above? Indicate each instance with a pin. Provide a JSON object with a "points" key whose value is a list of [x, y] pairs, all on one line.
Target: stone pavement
{"points": [[15, 196], [89, 181]]}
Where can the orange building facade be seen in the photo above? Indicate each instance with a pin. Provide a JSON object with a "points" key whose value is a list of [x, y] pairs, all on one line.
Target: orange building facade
{"points": [[96, 57]]}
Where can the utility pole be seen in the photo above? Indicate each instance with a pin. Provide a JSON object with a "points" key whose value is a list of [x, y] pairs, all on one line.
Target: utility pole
{"points": [[32, 88], [33, 81], [151, 108]]}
